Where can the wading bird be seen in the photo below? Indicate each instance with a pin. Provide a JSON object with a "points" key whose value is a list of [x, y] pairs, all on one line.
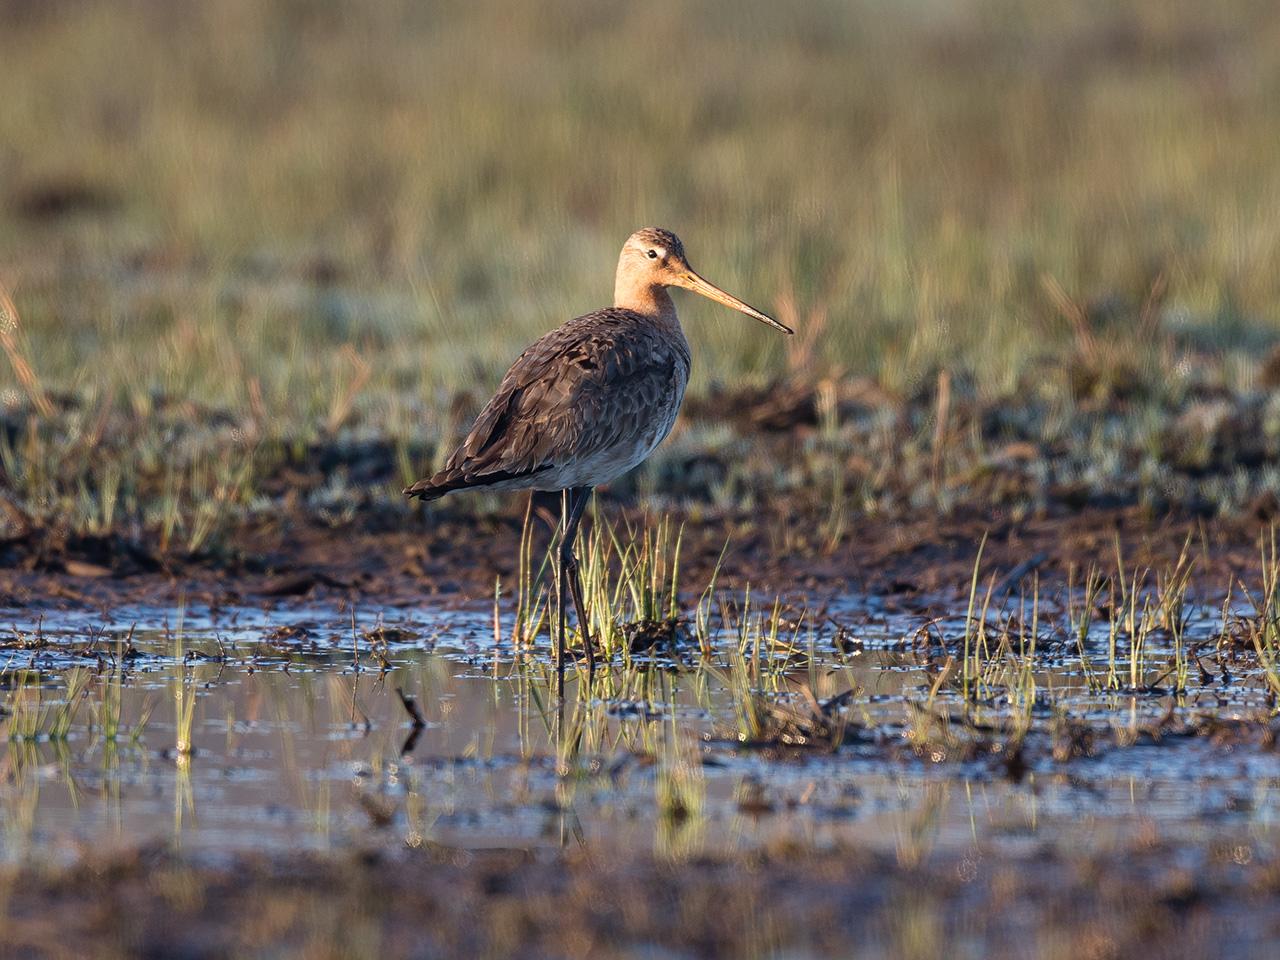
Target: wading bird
{"points": [[587, 402]]}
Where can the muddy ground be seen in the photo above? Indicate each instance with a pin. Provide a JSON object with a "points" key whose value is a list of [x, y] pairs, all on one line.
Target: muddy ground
{"points": [[1145, 899], [447, 555], [1150, 896]]}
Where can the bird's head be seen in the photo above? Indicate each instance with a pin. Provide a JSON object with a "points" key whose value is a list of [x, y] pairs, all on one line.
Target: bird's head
{"points": [[654, 258]]}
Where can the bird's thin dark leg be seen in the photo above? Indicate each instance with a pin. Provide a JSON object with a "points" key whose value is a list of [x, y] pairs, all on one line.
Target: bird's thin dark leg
{"points": [[562, 581], [578, 503]]}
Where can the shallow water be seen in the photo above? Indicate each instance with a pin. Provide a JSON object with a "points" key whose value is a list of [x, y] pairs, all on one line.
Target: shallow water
{"points": [[299, 739]]}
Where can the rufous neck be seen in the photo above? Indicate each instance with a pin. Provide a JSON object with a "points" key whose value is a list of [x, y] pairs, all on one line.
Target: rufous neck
{"points": [[645, 298]]}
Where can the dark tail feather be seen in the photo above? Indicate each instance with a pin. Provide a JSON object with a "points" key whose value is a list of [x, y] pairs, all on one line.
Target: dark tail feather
{"points": [[446, 481], [426, 491], [437, 485]]}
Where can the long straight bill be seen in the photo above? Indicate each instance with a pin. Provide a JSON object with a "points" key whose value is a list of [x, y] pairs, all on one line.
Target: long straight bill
{"points": [[691, 281]]}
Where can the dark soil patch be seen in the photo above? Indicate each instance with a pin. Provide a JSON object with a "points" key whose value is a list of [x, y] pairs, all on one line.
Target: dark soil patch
{"points": [[446, 554], [435, 901]]}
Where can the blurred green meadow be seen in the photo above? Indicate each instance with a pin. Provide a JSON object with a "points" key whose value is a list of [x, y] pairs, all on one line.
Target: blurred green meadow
{"points": [[1014, 236]]}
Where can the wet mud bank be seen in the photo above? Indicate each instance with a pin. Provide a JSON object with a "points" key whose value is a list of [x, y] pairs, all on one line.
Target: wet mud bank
{"points": [[331, 741], [447, 553], [1140, 899]]}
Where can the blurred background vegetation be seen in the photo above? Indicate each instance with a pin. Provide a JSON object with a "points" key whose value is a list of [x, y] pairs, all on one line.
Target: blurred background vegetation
{"points": [[237, 228]]}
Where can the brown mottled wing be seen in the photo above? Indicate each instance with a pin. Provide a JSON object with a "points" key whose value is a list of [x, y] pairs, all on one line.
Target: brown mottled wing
{"points": [[585, 387]]}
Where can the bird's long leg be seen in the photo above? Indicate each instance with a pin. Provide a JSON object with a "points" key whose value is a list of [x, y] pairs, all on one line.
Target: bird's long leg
{"points": [[578, 503], [562, 582]]}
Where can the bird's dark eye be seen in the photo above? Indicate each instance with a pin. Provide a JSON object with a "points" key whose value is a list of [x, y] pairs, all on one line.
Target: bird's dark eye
{"points": [[653, 254]]}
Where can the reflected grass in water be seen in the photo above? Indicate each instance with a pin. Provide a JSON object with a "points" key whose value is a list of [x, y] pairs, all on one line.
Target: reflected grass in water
{"points": [[1111, 700]]}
